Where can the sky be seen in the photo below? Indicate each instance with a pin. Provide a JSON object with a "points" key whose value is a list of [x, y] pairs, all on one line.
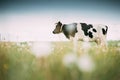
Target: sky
{"points": [[27, 20]]}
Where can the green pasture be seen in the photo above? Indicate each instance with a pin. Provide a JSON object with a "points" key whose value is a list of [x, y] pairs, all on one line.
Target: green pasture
{"points": [[19, 62]]}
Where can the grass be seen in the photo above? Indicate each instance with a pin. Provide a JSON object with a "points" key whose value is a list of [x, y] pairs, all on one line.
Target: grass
{"points": [[18, 62]]}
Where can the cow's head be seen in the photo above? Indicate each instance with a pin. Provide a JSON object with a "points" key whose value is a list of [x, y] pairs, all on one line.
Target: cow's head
{"points": [[58, 28]]}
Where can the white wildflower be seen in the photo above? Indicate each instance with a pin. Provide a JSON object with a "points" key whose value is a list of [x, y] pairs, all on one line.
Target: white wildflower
{"points": [[85, 63], [41, 49], [69, 59]]}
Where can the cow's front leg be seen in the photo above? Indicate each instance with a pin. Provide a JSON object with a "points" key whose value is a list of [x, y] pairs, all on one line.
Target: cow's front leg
{"points": [[71, 38], [74, 41]]}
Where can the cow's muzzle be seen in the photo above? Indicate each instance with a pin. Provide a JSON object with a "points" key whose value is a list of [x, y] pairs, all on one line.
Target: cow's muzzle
{"points": [[53, 32]]}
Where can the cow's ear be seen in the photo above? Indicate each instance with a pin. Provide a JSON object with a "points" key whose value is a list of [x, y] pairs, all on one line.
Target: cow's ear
{"points": [[60, 23]]}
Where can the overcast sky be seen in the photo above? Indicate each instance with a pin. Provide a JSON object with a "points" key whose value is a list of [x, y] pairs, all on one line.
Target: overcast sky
{"points": [[34, 20]]}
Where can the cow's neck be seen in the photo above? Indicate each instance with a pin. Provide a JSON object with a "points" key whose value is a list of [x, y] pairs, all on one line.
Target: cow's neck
{"points": [[61, 27]]}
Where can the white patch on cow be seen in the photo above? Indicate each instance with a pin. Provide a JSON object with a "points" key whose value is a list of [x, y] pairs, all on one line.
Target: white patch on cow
{"points": [[71, 27], [80, 33]]}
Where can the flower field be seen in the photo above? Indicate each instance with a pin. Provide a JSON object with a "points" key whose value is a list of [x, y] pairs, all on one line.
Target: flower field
{"points": [[59, 61]]}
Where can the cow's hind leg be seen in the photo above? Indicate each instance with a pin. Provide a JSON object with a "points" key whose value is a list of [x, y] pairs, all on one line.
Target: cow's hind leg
{"points": [[102, 44]]}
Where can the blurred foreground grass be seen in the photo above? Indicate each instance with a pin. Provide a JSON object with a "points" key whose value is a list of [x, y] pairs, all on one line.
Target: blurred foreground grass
{"points": [[18, 61]]}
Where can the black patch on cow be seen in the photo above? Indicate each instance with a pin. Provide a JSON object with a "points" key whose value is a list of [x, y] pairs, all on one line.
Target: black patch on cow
{"points": [[85, 28], [90, 25], [68, 33], [76, 29], [90, 34], [94, 30], [105, 30]]}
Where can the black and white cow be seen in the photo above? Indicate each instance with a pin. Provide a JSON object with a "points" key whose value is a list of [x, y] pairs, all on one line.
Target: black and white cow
{"points": [[83, 32]]}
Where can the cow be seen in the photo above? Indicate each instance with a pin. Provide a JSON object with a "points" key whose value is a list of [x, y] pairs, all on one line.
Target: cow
{"points": [[83, 32]]}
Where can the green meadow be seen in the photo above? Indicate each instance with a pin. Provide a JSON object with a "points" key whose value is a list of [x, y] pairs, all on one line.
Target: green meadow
{"points": [[58, 61]]}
